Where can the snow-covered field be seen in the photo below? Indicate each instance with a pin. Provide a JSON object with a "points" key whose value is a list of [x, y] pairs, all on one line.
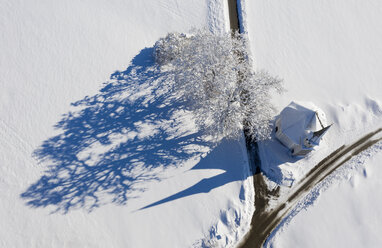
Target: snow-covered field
{"points": [[121, 167], [93, 153], [329, 53]]}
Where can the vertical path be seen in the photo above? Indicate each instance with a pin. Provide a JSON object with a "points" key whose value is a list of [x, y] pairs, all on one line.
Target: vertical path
{"points": [[233, 15], [256, 236], [216, 18]]}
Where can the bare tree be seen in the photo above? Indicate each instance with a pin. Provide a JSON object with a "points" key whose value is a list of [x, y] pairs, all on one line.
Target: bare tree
{"points": [[214, 72]]}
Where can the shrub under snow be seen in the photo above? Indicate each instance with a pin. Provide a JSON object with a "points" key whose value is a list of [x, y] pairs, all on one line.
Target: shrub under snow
{"points": [[215, 74]]}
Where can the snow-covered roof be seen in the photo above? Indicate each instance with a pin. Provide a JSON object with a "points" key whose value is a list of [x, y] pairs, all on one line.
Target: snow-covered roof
{"points": [[298, 120]]}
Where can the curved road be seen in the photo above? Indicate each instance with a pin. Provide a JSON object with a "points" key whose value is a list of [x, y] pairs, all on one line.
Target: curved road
{"points": [[264, 222]]}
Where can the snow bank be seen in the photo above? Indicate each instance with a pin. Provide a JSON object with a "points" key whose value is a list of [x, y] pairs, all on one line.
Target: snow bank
{"points": [[131, 158]]}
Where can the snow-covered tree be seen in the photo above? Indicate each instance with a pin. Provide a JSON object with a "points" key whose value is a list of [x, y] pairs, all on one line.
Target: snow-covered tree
{"points": [[214, 73]]}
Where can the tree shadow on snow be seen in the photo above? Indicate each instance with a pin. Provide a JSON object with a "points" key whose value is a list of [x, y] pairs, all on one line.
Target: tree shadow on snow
{"points": [[115, 140], [227, 156]]}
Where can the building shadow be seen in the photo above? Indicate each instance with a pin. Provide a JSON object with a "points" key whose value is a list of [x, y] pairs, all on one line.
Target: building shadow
{"points": [[114, 141]]}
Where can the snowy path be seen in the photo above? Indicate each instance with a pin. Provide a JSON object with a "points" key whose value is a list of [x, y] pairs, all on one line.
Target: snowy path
{"points": [[263, 222], [234, 22]]}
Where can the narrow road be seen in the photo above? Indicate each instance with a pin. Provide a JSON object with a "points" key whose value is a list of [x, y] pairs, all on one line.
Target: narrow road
{"points": [[264, 222], [233, 15]]}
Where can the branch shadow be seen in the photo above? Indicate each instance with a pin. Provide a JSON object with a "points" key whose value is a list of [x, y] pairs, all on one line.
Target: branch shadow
{"points": [[112, 142]]}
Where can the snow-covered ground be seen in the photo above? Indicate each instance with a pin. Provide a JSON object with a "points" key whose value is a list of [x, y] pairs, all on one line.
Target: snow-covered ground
{"points": [[123, 167], [346, 214], [119, 165], [329, 53]]}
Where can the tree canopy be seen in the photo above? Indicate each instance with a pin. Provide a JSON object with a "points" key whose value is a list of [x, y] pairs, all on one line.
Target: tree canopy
{"points": [[214, 73]]}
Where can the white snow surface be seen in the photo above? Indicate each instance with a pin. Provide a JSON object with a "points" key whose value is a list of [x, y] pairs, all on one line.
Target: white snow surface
{"points": [[347, 213], [328, 53], [122, 167]]}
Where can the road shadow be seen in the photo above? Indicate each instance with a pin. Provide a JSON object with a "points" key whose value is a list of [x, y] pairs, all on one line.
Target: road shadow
{"points": [[226, 156], [114, 141]]}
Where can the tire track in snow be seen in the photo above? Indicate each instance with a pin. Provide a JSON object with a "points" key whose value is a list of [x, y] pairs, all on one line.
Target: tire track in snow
{"points": [[264, 222], [216, 18]]}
